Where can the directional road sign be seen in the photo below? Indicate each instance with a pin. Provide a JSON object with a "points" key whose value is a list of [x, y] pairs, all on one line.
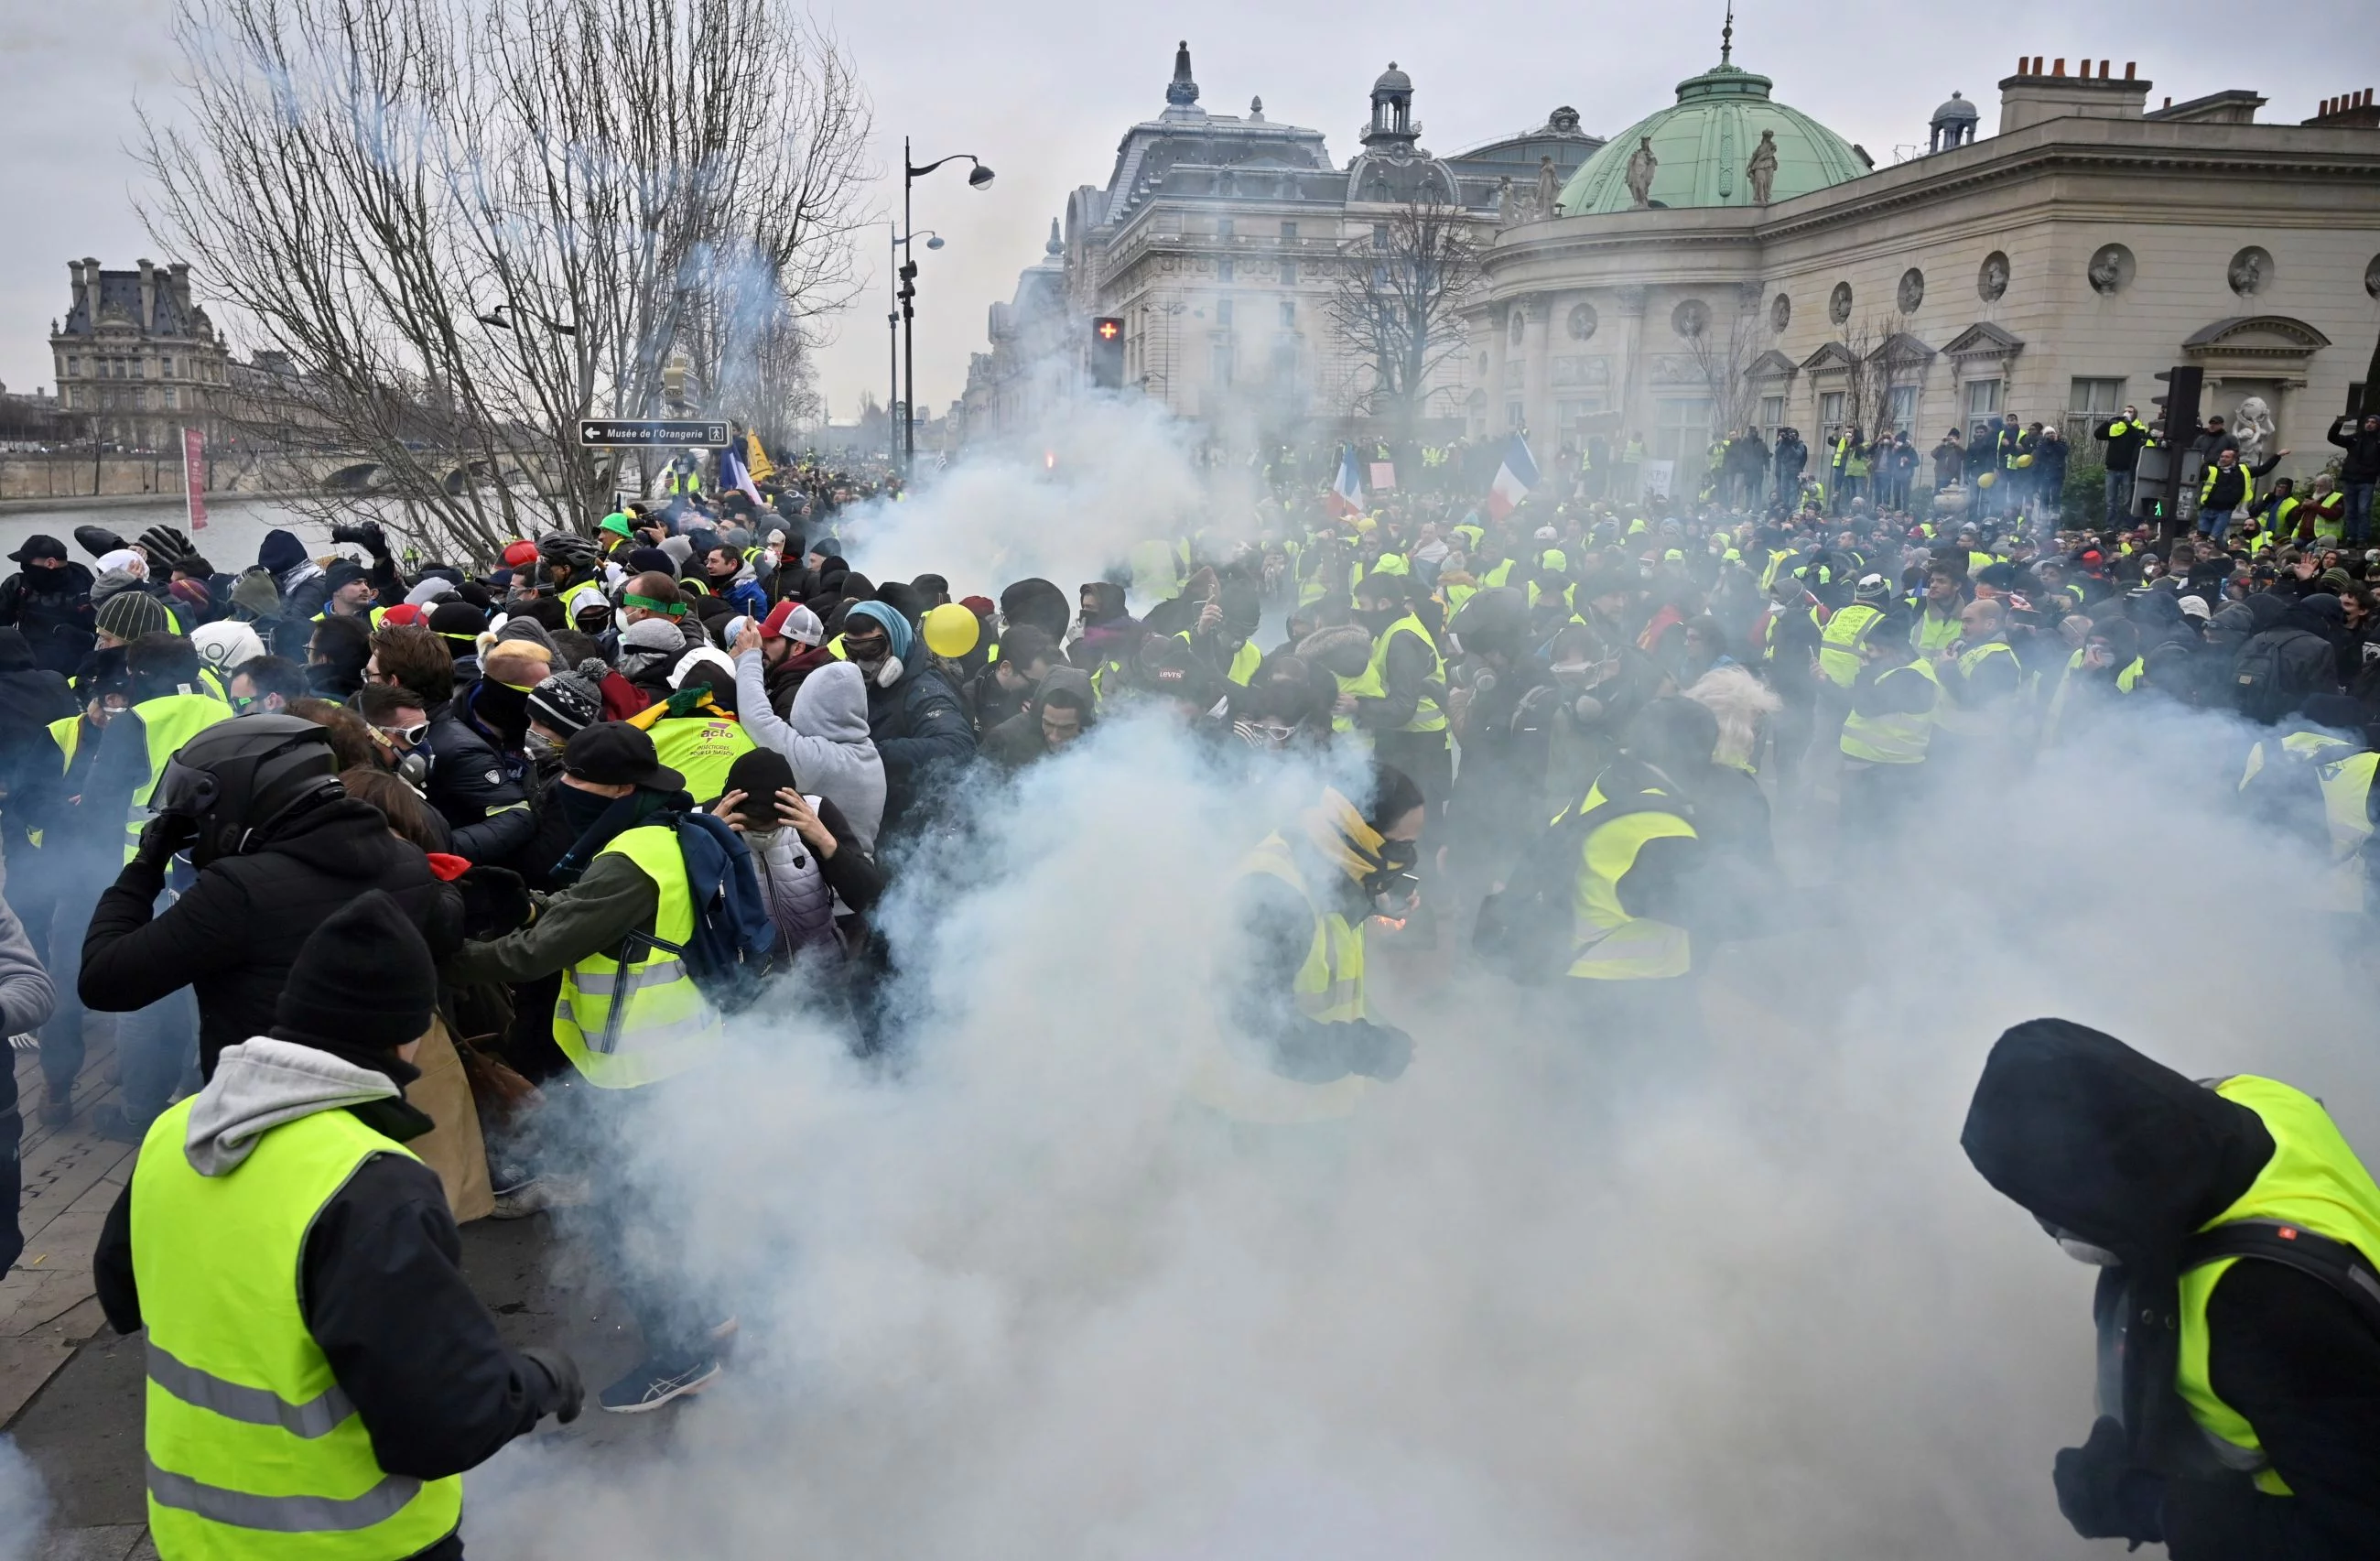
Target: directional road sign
{"points": [[651, 434]]}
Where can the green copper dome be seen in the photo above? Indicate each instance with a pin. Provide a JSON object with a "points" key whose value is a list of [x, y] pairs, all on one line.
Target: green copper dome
{"points": [[1702, 142]]}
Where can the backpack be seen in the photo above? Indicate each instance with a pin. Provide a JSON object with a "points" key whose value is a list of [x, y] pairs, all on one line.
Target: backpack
{"points": [[727, 953], [1526, 930], [2276, 669]]}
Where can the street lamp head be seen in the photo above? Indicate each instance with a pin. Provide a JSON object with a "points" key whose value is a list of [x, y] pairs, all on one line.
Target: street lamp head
{"points": [[934, 241], [980, 177]]}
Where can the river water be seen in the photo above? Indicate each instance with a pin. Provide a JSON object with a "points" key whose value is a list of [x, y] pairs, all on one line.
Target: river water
{"points": [[235, 529]]}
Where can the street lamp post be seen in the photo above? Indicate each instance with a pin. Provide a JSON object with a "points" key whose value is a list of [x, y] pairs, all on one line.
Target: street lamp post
{"points": [[978, 177], [897, 241]]}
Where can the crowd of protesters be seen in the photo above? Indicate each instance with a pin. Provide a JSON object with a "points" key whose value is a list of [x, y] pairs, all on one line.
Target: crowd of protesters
{"points": [[574, 808]]}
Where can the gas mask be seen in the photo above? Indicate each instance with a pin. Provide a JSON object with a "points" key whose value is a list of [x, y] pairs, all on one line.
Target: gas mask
{"points": [[1393, 886], [2081, 1251]]}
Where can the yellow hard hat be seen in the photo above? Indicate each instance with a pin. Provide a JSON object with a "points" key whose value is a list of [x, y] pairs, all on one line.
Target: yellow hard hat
{"points": [[1988, 479]]}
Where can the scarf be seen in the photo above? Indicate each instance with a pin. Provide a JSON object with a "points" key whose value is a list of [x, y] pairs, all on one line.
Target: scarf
{"points": [[612, 818]]}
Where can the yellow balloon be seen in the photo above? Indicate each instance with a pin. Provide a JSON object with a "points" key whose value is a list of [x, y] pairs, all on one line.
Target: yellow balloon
{"points": [[1986, 481], [2025, 461], [952, 630]]}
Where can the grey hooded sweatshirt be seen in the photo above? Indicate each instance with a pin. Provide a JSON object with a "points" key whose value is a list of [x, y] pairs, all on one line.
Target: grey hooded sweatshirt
{"points": [[826, 740], [260, 1084]]}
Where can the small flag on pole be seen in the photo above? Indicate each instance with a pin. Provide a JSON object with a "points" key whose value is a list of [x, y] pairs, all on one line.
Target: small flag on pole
{"points": [[194, 475], [756, 459], [733, 475], [1514, 478], [1346, 496]]}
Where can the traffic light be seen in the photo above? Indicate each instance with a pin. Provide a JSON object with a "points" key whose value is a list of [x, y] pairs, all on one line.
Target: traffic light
{"points": [[2164, 482], [1107, 352]]}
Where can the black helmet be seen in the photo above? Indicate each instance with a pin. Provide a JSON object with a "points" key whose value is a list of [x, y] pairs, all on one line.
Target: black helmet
{"points": [[568, 548], [1495, 618], [239, 778]]}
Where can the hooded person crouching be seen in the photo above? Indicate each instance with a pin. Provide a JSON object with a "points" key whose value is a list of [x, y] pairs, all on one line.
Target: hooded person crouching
{"points": [[2238, 1309], [319, 1373]]}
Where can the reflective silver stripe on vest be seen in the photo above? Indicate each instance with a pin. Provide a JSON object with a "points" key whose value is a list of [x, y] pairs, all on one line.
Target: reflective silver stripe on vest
{"points": [[2230, 1455], [1330, 997], [318, 1416], [283, 1514], [639, 1036], [603, 983]]}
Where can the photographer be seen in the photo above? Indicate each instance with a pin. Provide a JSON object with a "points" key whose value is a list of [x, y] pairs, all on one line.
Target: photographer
{"points": [[278, 846], [377, 586]]}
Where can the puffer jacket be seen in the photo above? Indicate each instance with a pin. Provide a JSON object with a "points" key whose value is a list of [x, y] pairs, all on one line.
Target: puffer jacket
{"points": [[233, 936], [807, 893]]}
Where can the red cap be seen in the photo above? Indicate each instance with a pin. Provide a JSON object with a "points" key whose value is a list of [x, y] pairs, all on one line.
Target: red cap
{"points": [[520, 554], [404, 612], [981, 606], [2093, 557]]}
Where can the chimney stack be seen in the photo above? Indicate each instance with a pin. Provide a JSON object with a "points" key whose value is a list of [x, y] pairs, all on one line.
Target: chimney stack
{"points": [[148, 295], [74, 270], [2034, 96]]}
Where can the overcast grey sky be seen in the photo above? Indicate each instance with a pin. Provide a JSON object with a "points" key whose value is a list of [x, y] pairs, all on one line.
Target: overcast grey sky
{"points": [[1042, 90]]}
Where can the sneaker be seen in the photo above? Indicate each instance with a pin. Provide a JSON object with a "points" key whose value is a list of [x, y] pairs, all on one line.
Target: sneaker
{"points": [[110, 1123], [57, 1106], [651, 1384], [538, 1194], [506, 1178]]}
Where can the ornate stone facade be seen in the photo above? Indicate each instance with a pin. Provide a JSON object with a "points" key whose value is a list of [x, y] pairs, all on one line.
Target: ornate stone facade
{"points": [[1216, 239], [2051, 270], [136, 359]]}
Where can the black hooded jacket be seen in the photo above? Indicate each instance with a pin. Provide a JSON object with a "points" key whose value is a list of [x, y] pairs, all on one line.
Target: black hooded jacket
{"points": [[235, 935], [2090, 1137], [53, 608], [382, 1290]]}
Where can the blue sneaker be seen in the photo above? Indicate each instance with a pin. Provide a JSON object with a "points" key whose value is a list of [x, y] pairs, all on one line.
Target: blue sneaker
{"points": [[653, 1382]]}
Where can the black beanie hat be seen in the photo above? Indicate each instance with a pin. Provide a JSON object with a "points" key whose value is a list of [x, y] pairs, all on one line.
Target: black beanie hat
{"points": [[760, 774], [363, 977]]}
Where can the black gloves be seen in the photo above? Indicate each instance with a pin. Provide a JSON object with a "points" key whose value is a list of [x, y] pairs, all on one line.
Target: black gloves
{"points": [[163, 836], [368, 533], [495, 902], [2104, 1494], [564, 1391]]}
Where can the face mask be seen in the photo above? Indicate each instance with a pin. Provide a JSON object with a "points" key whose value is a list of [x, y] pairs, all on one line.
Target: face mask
{"points": [[1392, 884], [2081, 1251], [759, 838], [538, 743]]}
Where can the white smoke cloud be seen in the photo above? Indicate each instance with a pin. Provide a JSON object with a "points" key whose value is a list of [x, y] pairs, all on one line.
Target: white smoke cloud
{"points": [[24, 1504], [1552, 1293], [1064, 503]]}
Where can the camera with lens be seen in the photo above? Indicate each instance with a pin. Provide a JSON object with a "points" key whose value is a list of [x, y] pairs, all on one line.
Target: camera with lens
{"points": [[366, 532]]}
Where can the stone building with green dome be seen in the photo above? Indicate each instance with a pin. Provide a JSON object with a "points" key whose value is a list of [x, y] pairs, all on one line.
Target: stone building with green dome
{"points": [[1695, 280], [1702, 143]]}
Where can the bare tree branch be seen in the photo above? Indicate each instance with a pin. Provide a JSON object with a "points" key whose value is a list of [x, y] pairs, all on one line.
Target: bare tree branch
{"points": [[1396, 304], [467, 224]]}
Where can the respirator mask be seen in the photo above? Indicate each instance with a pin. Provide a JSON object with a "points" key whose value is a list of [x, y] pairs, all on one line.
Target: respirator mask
{"points": [[1393, 886], [2081, 1251]]}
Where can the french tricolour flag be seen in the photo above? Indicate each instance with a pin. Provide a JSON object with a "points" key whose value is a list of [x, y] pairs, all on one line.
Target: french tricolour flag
{"points": [[1514, 478], [1347, 488], [735, 474]]}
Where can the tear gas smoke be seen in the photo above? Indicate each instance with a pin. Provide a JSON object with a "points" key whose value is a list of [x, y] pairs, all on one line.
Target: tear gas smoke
{"points": [[1064, 503], [24, 1504], [1551, 1294]]}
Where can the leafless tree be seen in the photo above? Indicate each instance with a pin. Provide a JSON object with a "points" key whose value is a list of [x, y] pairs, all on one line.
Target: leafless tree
{"points": [[472, 224], [1395, 307], [1724, 361]]}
